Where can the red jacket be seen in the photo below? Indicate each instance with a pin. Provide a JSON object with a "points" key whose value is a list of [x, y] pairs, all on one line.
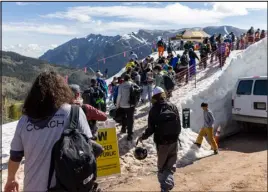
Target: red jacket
{"points": [[93, 113]]}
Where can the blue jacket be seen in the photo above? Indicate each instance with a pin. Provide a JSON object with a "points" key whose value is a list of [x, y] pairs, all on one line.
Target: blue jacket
{"points": [[174, 61], [103, 85]]}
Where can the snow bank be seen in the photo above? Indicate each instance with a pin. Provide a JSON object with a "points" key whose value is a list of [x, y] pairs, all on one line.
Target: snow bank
{"points": [[8, 131], [251, 62]]}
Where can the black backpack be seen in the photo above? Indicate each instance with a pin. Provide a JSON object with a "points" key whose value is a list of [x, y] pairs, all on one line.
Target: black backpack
{"points": [[135, 93], [184, 60], [73, 160], [92, 96], [204, 50], [168, 82], [168, 121]]}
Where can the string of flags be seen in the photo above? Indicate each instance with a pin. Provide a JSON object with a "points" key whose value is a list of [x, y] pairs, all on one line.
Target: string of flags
{"points": [[104, 59]]}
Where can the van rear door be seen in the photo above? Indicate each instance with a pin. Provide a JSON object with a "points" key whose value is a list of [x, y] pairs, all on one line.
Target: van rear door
{"points": [[242, 98], [259, 99]]}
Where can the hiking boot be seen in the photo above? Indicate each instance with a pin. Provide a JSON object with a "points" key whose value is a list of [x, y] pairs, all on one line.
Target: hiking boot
{"points": [[198, 145], [129, 138], [123, 130], [216, 152]]}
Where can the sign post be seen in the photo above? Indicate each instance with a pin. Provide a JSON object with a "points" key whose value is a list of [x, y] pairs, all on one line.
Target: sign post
{"points": [[186, 118], [108, 163]]}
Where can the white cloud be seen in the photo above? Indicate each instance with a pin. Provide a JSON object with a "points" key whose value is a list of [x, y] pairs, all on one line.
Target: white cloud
{"points": [[31, 50], [176, 13], [38, 28], [237, 8], [53, 46], [141, 3], [26, 3]]}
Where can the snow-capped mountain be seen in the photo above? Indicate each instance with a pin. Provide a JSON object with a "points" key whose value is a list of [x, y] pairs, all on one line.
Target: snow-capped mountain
{"points": [[86, 51]]}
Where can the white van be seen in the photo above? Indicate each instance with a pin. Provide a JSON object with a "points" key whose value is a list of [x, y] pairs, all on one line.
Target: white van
{"points": [[249, 100]]}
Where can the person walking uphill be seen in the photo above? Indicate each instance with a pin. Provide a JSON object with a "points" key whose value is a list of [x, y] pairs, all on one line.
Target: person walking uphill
{"points": [[46, 114], [161, 47], [207, 129], [164, 123], [127, 109], [103, 85]]}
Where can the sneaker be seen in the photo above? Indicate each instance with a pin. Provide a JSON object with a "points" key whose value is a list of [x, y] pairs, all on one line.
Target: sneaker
{"points": [[216, 152], [198, 145]]}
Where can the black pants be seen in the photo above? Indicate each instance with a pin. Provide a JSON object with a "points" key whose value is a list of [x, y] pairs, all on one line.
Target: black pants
{"points": [[203, 61], [128, 119]]}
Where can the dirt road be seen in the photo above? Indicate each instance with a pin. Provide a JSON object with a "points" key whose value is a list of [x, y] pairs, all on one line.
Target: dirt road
{"points": [[240, 166]]}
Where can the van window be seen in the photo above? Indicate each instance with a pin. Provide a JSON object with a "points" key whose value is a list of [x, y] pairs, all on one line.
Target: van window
{"points": [[244, 87], [260, 87]]}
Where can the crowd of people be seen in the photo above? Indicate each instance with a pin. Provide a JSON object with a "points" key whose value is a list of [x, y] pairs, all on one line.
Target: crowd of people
{"points": [[58, 130]]}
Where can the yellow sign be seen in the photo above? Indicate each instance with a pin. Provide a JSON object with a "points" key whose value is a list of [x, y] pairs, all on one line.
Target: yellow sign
{"points": [[108, 163]]}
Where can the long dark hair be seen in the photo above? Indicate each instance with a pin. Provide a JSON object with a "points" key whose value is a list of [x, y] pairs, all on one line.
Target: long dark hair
{"points": [[48, 93]]}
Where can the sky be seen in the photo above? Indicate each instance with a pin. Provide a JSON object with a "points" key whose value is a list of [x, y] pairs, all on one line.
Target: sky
{"points": [[32, 28]]}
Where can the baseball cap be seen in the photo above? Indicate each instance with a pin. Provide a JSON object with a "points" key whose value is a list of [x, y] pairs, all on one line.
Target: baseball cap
{"points": [[98, 73], [158, 90], [75, 88]]}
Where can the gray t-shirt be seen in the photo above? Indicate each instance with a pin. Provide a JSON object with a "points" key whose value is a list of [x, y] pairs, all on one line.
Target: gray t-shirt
{"points": [[37, 143]]}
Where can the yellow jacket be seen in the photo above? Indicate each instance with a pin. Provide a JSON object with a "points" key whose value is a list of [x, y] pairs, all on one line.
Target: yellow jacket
{"points": [[130, 64]]}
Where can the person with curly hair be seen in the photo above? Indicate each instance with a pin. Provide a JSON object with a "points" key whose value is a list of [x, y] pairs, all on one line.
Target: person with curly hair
{"points": [[46, 111]]}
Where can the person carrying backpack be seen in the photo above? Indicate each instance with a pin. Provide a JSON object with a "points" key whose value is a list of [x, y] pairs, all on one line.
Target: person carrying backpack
{"points": [[160, 47], [164, 123], [103, 85], [41, 126], [95, 96], [192, 63], [204, 51], [126, 102], [184, 67]]}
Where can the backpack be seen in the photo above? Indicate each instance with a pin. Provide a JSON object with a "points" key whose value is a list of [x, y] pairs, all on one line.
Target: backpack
{"points": [[94, 96], [203, 50], [168, 82], [135, 93], [73, 159], [184, 60], [168, 122]]}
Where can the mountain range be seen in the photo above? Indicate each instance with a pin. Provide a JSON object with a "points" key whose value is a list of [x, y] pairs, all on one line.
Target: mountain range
{"points": [[88, 51]]}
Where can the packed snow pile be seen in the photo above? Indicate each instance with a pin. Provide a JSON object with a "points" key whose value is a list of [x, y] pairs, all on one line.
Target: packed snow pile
{"points": [[251, 62]]}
